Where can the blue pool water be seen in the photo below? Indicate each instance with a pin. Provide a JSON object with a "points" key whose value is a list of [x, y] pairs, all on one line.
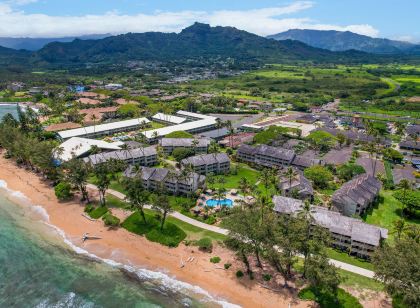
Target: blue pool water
{"points": [[223, 202]]}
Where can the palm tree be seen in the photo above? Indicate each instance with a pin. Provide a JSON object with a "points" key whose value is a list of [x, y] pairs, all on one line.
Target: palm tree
{"points": [[399, 226], [306, 215], [94, 118], [290, 174], [231, 130], [244, 185], [405, 185], [266, 178], [219, 125], [125, 147], [194, 144]]}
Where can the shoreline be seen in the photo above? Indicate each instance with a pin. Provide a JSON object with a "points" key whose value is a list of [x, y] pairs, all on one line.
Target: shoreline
{"points": [[134, 252]]}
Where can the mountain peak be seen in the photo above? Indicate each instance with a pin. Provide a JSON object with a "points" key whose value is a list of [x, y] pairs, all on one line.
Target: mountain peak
{"points": [[197, 27]]}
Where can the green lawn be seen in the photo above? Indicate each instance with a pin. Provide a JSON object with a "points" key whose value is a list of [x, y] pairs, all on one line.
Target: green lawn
{"points": [[386, 212], [345, 300], [98, 212], [243, 171], [344, 257], [359, 282], [171, 235]]}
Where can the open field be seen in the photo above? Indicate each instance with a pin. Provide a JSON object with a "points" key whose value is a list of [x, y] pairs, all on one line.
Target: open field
{"points": [[386, 212]]}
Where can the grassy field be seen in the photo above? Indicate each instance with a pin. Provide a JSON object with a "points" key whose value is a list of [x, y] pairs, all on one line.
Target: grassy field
{"points": [[344, 257], [345, 300], [386, 212], [243, 171]]}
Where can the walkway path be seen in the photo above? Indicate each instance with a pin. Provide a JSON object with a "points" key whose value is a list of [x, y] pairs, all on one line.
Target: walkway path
{"points": [[345, 266]]}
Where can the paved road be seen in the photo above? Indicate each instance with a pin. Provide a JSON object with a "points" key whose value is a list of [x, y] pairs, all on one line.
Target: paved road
{"points": [[345, 266]]}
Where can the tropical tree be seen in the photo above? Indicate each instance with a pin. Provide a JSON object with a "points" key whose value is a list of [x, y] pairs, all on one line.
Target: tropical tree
{"points": [[266, 178], [290, 174], [399, 226], [163, 206], [405, 185], [76, 172], [136, 195], [101, 172], [397, 267]]}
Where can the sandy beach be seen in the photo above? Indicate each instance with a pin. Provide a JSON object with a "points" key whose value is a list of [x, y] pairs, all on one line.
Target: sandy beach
{"points": [[128, 248]]}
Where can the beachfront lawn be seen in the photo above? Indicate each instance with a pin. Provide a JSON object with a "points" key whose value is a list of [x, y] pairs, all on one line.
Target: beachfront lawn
{"points": [[97, 212], [114, 202], [171, 235], [386, 212], [345, 300], [359, 282]]}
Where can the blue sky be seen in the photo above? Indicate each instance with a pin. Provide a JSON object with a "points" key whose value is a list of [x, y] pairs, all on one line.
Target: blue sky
{"points": [[48, 18]]}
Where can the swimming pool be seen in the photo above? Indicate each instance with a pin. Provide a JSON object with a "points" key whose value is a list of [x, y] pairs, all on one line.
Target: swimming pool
{"points": [[222, 202]]}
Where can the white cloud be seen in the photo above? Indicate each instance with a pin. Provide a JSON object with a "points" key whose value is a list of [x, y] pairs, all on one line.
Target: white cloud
{"points": [[264, 21]]}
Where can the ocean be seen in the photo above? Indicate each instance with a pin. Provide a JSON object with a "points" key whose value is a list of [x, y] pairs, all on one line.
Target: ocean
{"points": [[7, 108], [40, 268]]}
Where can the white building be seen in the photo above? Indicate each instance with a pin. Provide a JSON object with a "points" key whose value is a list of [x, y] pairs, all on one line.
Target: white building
{"points": [[102, 130], [168, 119], [79, 147]]}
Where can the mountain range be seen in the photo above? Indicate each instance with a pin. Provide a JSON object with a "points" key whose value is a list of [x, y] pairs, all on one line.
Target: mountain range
{"points": [[197, 42], [34, 44], [342, 41]]}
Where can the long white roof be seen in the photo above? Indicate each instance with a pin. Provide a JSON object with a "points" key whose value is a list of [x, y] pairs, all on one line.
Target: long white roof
{"points": [[76, 147], [194, 115], [169, 118], [180, 127], [65, 134]]}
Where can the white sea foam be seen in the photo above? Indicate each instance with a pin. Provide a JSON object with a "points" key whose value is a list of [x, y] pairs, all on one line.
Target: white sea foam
{"points": [[165, 281]]}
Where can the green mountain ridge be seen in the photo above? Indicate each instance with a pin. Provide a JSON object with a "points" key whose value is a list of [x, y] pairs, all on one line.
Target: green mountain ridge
{"points": [[197, 42], [346, 40]]}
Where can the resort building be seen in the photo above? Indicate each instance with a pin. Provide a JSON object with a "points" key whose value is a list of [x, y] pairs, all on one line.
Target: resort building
{"points": [[168, 119], [170, 144], [299, 186], [80, 147], [348, 234], [357, 195], [138, 156], [171, 180], [273, 157], [208, 163], [97, 131], [62, 126], [195, 123]]}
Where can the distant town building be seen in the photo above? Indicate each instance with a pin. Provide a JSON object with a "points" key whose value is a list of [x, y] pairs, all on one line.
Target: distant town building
{"points": [[113, 86], [208, 163], [348, 234], [170, 144], [357, 195], [172, 182], [138, 156], [16, 86]]}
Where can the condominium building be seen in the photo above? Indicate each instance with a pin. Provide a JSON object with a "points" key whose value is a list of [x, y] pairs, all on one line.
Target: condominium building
{"points": [[357, 195], [171, 180], [138, 156], [102, 130], [273, 157], [348, 234], [170, 144], [208, 163]]}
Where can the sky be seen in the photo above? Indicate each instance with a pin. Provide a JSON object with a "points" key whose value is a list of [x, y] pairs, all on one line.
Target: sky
{"points": [[394, 19]]}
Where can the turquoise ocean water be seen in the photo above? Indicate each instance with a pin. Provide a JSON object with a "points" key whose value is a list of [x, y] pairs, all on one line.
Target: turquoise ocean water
{"points": [[7, 108], [38, 269]]}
